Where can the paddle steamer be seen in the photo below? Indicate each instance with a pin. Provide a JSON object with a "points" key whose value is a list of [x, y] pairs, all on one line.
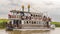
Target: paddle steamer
{"points": [[27, 20]]}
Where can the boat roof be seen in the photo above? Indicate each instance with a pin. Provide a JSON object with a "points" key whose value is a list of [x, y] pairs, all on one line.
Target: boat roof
{"points": [[18, 11]]}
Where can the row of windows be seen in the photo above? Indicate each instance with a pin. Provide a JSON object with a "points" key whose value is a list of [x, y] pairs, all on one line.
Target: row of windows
{"points": [[34, 22], [37, 15], [15, 21], [26, 14], [28, 22]]}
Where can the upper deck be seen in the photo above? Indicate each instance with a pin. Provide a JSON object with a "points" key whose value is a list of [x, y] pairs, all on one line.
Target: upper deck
{"points": [[26, 15], [15, 14], [17, 11]]}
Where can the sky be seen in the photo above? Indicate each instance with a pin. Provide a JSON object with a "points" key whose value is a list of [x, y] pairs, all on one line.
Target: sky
{"points": [[51, 7]]}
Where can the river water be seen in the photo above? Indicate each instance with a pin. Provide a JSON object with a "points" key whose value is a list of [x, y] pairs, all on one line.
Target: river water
{"points": [[56, 31]]}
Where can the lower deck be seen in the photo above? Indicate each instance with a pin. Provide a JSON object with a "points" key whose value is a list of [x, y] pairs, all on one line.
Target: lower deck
{"points": [[24, 24]]}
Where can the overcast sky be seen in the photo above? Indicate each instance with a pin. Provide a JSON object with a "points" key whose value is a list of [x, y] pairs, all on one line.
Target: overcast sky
{"points": [[52, 7]]}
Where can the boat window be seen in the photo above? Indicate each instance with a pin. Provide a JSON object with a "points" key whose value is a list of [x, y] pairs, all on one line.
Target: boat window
{"points": [[22, 21], [27, 14], [36, 15], [18, 14], [34, 22], [19, 21], [42, 23], [14, 13], [11, 22], [31, 15], [39, 22], [21, 14], [14, 22], [27, 22], [45, 23]]}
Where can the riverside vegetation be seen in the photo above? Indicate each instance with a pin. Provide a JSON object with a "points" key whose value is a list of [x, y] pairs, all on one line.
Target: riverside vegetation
{"points": [[3, 23], [57, 24]]}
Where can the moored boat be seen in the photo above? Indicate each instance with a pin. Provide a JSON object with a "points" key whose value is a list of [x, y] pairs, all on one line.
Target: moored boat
{"points": [[28, 20]]}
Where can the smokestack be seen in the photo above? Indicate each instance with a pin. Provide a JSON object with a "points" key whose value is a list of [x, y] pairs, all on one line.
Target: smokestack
{"points": [[23, 8], [28, 7]]}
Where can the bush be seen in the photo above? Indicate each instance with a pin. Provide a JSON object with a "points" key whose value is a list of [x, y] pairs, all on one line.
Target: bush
{"points": [[57, 24], [3, 25]]}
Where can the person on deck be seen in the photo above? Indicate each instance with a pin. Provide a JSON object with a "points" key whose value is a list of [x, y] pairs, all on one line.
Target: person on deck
{"points": [[48, 22]]}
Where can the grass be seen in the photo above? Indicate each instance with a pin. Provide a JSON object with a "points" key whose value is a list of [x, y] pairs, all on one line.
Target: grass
{"points": [[3, 22], [57, 24]]}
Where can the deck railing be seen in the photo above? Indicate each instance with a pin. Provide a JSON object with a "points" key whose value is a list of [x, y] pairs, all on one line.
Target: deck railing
{"points": [[24, 17]]}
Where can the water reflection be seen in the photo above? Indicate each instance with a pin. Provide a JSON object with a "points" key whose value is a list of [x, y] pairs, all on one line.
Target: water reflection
{"points": [[56, 31], [29, 32]]}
